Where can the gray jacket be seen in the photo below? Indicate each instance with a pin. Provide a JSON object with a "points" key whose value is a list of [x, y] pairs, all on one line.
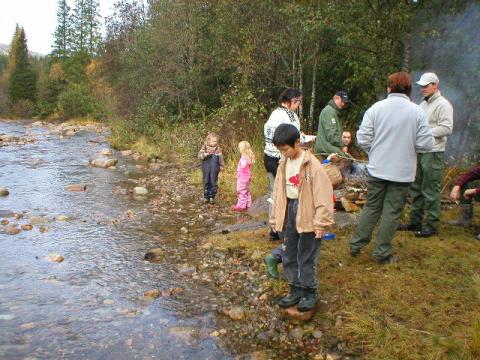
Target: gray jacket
{"points": [[392, 132], [440, 119]]}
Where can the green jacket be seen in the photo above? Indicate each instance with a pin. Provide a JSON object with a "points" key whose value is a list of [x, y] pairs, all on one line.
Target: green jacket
{"points": [[330, 128]]}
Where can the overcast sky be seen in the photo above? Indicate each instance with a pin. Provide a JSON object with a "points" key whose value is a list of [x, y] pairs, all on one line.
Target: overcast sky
{"points": [[38, 18]]}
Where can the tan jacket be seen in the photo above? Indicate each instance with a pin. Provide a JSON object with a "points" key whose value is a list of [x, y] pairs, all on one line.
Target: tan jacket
{"points": [[315, 197]]}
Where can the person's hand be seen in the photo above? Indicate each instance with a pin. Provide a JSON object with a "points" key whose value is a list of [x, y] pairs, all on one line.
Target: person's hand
{"points": [[455, 193], [345, 149], [319, 234], [469, 193]]}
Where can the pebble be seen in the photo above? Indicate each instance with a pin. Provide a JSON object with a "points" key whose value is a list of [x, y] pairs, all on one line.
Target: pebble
{"points": [[296, 333], [184, 230], [106, 152], [26, 227], [152, 294], [63, 218], [317, 334], [140, 190], [4, 191], [236, 313], [5, 222]]}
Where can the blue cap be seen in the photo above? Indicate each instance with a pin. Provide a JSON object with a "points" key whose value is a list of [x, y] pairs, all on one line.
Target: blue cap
{"points": [[326, 161]]}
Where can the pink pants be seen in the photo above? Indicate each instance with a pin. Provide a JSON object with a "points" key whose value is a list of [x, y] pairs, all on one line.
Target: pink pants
{"points": [[244, 197]]}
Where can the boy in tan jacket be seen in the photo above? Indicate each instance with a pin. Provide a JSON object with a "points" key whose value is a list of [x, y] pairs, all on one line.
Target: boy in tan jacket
{"points": [[303, 210]]}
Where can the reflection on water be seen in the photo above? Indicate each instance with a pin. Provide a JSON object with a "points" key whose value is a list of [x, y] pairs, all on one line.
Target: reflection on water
{"points": [[91, 305]]}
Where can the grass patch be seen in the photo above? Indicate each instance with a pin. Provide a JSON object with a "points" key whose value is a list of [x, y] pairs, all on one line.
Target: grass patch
{"points": [[425, 307]]}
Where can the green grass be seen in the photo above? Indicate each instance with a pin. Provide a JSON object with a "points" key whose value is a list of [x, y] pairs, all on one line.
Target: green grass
{"points": [[425, 307]]}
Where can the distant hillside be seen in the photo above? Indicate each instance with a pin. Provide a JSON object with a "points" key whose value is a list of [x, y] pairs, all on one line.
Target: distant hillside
{"points": [[4, 51]]}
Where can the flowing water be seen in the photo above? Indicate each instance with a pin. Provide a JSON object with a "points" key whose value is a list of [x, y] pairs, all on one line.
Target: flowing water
{"points": [[91, 305]]}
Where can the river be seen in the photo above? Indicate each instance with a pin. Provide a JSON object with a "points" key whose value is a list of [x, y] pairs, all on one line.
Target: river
{"points": [[92, 305]]}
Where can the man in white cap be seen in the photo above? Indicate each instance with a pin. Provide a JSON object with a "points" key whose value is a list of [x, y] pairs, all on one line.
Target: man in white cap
{"points": [[425, 190]]}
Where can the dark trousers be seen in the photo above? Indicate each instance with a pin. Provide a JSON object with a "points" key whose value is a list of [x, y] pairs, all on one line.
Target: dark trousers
{"points": [[301, 252], [425, 190], [385, 200], [210, 170]]}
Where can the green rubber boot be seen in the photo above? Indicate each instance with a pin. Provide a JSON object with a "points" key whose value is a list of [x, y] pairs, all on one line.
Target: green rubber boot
{"points": [[309, 299], [271, 264], [292, 298]]}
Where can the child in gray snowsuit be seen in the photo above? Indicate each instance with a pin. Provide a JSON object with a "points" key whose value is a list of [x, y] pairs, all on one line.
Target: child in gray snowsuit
{"points": [[212, 164]]}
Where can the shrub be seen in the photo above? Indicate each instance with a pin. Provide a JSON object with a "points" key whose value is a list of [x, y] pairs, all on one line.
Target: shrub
{"points": [[76, 101], [22, 108]]}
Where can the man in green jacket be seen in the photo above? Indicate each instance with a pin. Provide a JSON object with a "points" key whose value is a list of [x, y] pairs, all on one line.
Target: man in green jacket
{"points": [[330, 127]]}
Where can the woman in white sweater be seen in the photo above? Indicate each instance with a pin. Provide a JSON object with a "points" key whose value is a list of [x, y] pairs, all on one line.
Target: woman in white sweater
{"points": [[289, 102]]}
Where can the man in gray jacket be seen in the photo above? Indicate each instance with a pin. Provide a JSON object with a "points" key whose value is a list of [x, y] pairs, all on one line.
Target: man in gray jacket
{"points": [[425, 190], [392, 132]]}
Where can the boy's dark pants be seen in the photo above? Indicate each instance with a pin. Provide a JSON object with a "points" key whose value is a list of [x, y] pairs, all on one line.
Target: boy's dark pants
{"points": [[301, 253], [385, 199], [210, 170]]}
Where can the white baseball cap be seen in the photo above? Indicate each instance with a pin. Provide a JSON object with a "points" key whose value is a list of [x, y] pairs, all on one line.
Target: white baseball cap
{"points": [[428, 78]]}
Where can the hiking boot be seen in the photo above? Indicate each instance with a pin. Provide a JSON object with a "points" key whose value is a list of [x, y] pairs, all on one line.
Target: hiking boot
{"points": [[309, 299], [292, 298], [409, 227], [464, 217], [354, 252], [273, 235], [272, 266], [386, 261], [426, 233]]}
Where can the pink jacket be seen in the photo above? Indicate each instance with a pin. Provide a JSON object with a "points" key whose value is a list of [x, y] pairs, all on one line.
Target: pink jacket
{"points": [[244, 169]]}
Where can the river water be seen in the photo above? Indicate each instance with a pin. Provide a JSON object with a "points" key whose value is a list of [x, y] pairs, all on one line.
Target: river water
{"points": [[91, 305]]}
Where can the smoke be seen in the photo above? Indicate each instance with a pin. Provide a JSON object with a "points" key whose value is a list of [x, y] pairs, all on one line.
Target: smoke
{"points": [[448, 43]]}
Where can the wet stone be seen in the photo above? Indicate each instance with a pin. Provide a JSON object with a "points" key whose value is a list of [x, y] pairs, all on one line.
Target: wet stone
{"points": [[38, 220], [76, 187], [5, 222], [4, 191], [53, 257], [152, 294], [154, 254], [11, 230], [104, 163], [26, 227], [63, 218]]}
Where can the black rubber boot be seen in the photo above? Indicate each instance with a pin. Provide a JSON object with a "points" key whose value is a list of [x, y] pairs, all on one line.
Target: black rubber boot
{"points": [[465, 217], [272, 266], [292, 298], [309, 299]]}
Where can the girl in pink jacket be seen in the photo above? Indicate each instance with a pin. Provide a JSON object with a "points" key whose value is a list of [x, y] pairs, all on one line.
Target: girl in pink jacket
{"points": [[244, 176]]}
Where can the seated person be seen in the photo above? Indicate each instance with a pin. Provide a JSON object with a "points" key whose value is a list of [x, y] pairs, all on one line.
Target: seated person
{"points": [[348, 167], [464, 191]]}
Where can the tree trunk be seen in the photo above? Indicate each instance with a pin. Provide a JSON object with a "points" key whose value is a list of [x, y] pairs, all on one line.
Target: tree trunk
{"points": [[300, 78], [314, 82]]}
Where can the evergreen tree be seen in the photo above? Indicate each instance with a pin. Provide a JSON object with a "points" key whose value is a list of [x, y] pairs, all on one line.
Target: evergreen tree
{"points": [[86, 25], [62, 35], [22, 82]]}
